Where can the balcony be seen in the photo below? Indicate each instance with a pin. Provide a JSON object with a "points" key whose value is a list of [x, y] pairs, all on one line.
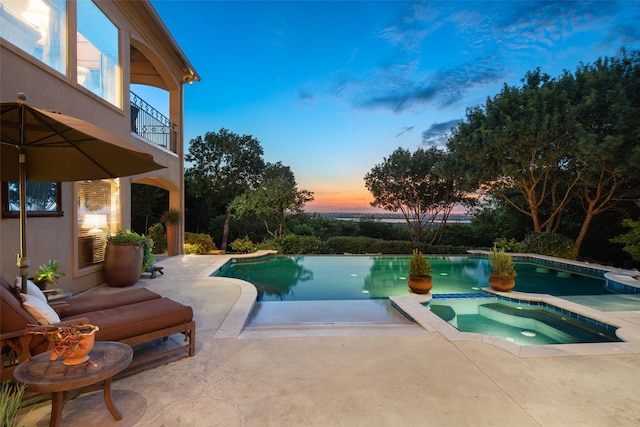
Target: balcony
{"points": [[148, 123]]}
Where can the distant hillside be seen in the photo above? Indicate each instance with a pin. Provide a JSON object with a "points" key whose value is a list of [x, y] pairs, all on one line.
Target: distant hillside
{"points": [[384, 217]]}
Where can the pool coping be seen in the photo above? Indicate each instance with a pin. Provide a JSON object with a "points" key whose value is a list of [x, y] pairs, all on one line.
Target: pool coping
{"points": [[411, 305]]}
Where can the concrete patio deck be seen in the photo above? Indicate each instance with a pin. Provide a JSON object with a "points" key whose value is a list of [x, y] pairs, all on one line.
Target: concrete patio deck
{"points": [[348, 375]]}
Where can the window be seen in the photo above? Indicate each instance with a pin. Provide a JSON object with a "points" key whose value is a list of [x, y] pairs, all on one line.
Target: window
{"points": [[98, 216], [43, 199], [39, 27], [98, 53]]}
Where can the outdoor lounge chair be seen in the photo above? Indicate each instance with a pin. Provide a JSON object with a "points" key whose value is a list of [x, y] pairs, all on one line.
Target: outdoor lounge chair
{"points": [[134, 317]]}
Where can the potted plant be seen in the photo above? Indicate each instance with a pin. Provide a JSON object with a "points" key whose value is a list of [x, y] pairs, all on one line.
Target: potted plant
{"points": [[127, 255], [502, 276], [73, 342], [420, 281], [47, 274], [171, 219]]}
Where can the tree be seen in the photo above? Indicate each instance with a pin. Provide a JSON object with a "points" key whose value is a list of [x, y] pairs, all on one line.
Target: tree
{"points": [[608, 135], [414, 184], [224, 165], [273, 198], [521, 140], [148, 203], [557, 141]]}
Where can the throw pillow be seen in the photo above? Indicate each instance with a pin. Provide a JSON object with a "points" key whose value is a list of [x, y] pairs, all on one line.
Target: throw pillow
{"points": [[41, 311], [32, 289]]}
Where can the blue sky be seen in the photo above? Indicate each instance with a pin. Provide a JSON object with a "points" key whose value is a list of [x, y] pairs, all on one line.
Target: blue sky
{"points": [[330, 88]]}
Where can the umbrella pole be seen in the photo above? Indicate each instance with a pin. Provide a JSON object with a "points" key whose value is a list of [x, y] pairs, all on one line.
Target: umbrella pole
{"points": [[23, 259]]}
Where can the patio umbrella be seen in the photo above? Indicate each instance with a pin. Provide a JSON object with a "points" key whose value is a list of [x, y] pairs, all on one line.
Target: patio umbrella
{"points": [[42, 145]]}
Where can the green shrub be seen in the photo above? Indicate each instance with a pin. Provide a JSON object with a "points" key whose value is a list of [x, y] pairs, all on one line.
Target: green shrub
{"points": [[198, 243], [630, 239], [364, 245], [508, 245], [159, 237], [551, 244], [418, 265], [501, 263], [292, 244], [243, 245]]}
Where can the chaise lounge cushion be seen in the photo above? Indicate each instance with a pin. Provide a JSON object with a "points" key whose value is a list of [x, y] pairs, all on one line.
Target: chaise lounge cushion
{"points": [[121, 323], [90, 302], [13, 317]]}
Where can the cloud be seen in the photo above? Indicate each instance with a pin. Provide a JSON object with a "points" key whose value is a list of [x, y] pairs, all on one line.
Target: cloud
{"points": [[405, 130], [437, 133], [306, 96], [493, 38]]}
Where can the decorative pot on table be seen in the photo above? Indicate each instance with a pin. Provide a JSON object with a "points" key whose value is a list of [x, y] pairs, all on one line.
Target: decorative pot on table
{"points": [[81, 353]]}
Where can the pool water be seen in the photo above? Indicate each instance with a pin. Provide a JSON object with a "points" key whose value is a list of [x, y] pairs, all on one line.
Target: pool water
{"points": [[313, 278], [520, 323]]}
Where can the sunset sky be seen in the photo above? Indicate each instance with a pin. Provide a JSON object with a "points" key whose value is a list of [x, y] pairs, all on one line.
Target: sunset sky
{"points": [[331, 88]]}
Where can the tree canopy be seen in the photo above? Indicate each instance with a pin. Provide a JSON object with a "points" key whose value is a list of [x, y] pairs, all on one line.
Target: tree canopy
{"points": [[574, 139], [416, 185], [272, 198], [223, 166]]}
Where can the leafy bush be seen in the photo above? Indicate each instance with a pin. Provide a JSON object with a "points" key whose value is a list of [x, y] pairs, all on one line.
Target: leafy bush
{"points": [[198, 243], [159, 237], [630, 239], [363, 245], [551, 244], [243, 245], [501, 263], [293, 244], [418, 265], [508, 245]]}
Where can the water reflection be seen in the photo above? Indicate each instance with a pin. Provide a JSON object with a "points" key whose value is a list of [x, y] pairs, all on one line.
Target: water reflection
{"points": [[316, 278], [275, 279]]}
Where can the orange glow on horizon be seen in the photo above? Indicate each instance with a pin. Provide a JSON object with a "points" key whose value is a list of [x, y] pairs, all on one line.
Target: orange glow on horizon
{"points": [[358, 201], [330, 200]]}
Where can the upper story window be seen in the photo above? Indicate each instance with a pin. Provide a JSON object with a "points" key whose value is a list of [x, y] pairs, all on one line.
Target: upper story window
{"points": [[39, 27], [98, 53]]}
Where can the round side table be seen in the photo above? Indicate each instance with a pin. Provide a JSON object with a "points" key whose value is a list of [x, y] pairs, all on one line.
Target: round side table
{"points": [[40, 374]]}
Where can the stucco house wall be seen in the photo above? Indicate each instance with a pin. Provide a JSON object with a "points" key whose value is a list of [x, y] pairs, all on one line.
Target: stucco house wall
{"points": [[142, 32]]}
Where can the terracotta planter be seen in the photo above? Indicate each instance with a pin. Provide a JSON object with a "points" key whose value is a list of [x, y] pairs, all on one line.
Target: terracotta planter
{"points": [[122, 264], [172, 240], [501, 283], [420, 284], [81, 355]]}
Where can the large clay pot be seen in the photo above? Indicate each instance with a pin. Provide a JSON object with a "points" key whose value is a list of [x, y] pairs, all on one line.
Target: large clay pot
{"points": [[122, 264], [501, 283], [420, 284], [172, 240]]}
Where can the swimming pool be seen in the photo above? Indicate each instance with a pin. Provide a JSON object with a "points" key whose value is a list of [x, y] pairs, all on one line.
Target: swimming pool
{"points": [[320, 277], [522, 322]]}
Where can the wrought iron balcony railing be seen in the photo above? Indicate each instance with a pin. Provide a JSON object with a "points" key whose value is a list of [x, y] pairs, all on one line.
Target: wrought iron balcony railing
{"points": [[150, 124]]}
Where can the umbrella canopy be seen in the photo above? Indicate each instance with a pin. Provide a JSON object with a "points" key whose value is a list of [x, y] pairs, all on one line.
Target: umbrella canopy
{"points": [[64, 148], [42, 145]]}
